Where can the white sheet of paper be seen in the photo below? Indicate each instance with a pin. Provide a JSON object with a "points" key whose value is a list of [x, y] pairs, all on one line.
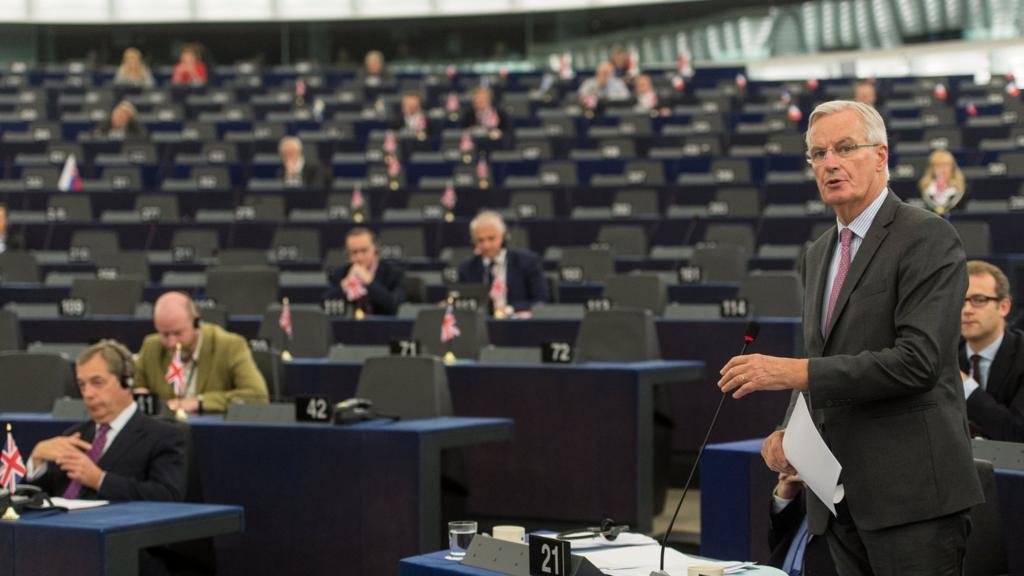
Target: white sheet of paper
{"points": [[807, 452], [72, 505], [627, 560]]}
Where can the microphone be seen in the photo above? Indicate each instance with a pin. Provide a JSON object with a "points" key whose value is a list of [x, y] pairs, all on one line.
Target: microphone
{"points": [[753, 328]]}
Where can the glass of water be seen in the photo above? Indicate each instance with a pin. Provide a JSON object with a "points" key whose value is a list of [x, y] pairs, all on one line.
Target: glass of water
{"points": [[460, 534]]}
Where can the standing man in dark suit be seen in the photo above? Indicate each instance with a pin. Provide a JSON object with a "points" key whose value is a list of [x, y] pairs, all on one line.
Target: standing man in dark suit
{"points": [[367, 283], [515, 277], [881, 329], [120, 453], [991, 356]]}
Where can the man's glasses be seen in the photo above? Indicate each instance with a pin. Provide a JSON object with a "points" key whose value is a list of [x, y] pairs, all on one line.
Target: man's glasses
{"points": [[842, 150], [979, 300]]}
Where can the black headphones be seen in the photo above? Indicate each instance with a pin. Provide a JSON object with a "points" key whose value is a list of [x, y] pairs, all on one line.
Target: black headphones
{"points": [[126, 376], [608, 528]]}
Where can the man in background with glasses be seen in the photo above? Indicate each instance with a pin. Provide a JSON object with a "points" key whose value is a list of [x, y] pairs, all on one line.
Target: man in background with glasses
{"points": [[883, 290], [991, 356]]}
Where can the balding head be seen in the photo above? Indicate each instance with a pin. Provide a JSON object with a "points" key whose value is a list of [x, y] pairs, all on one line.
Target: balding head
{"points": [[174, 317]]}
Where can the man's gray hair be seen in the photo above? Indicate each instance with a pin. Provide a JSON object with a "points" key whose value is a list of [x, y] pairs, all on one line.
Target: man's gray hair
{"points": [[488, 217], [874, 126], [289, 140]]}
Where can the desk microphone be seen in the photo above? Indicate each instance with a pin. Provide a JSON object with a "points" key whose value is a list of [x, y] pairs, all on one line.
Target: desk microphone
{"points": [[748, 338]]}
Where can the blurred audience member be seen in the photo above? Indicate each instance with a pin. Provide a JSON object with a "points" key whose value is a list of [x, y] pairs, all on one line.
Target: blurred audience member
{"points": [[515, 278], [123, 123], [368, 283], [603, 86], [619, 59], [374, 71], [133, 71], [413, 118], [484, 114], [943, 185], [190, 68], [296, 168], [865, 93], [226, 373], [8, 240], [646, 95]]}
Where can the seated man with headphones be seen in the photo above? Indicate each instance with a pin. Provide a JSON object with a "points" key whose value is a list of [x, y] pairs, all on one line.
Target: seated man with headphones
{"points": [[218, 367], [368, 283], [120, 453], [515, 278]]}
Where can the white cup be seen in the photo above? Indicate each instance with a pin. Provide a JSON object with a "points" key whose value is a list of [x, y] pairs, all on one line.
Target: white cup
{"points": [[510, 533], [705, 570]]}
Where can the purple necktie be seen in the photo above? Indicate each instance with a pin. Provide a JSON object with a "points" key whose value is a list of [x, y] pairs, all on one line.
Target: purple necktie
{"points": [[845, 237], [75, 488]]}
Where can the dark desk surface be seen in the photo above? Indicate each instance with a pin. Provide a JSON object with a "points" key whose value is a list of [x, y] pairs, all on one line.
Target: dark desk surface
{"points": [[317, 497], [736, 487], [106, 540]]}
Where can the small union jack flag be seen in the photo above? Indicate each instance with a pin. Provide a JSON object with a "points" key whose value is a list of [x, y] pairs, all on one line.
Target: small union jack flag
{"points": [[354, 289], [175, 375], [449, 199], [498, 290], [483, 171], [12, 467], [285, 321], [390, 144], [466, 145], [449, 329], [452, 105], [394, 167], [358, 201]]}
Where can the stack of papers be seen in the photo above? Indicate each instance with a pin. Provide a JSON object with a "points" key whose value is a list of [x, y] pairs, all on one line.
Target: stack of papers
{"points": [[77, 504], [640, 559]]}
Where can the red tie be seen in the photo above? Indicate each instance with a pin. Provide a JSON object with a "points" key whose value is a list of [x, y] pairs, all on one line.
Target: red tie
{"points": [[845, 237]]}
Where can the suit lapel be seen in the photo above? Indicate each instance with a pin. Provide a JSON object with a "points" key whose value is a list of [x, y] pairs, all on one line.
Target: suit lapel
{"points": [[869, 245], [206, 354], [817, 273], [1000, 369], [125, 439]]}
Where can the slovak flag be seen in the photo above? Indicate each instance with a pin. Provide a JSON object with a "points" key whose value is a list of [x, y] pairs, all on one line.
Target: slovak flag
{"points": [[449, 329], [354, 289], [12, 467], [285, 321], [449, 198], [175, 375], [70, 179], [357, 202]]}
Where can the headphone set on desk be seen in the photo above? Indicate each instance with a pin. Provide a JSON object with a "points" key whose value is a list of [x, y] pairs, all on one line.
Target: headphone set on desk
{"points": [[609, 529], [356, 410]]}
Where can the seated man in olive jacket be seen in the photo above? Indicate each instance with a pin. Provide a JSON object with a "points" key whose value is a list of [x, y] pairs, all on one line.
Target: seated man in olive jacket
{"points": [[217, 365]]}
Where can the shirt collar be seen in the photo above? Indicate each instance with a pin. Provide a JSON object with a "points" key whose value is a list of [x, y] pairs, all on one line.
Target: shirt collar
{"points": [[988, 352], [499, 260], [118, 423], [862, 222]]}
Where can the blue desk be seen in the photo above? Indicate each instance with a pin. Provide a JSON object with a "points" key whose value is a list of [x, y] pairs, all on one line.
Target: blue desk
{"points": [[106, 540], [735, 490], [319, 497], [434, 564], [586, 430]]}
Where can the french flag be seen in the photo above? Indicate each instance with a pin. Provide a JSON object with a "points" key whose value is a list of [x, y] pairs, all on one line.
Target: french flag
{"points": [[70, 179]]}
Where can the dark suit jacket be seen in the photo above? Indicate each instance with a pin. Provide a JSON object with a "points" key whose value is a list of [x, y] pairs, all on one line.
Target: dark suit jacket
{"points": [[469, 120], [135, 130], [885, 388], [817, 558], [998, 410], [145, 462], [384, 294], [313, 176], [524, 277]]}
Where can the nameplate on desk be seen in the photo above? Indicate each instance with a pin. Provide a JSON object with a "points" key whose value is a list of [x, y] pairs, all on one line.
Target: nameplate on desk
{"points": [[183, 254], [556, 353], [598, 304], [107, 273], [549, 556], [259, 344], [335, 306], [405, 347], [312, 409], [433, 212], [245, 213], [572, 274], [466, 303], [689, 274], [149, 404], [734, 308], [72, 307], [79, 254], [1017, 203]]}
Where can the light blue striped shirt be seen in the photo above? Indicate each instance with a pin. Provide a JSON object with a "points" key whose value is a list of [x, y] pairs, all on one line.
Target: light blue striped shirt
{"points": [[859, 227]]}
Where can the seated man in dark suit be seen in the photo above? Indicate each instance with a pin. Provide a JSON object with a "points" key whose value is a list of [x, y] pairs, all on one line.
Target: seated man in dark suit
{"points": [[296, 169], [794, 549], [991, 356], [120, 454], [123, 123], [368, 283], [483, 114], [516, 278]]}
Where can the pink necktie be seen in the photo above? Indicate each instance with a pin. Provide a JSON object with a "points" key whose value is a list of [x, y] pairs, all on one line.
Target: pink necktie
{"points": [[845, 237], [74, 489]]}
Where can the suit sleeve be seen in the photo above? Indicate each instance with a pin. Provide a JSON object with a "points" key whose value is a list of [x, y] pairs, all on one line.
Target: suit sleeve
{"points": [[334, 291], [387, 293], [785, 523], [247, 382], [165, 474], [998, 421], [929, 284], [536, 284]]}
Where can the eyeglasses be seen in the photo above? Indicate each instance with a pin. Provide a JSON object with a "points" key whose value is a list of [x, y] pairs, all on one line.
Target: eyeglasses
{"points": [[843, 150], [979, 300]]}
